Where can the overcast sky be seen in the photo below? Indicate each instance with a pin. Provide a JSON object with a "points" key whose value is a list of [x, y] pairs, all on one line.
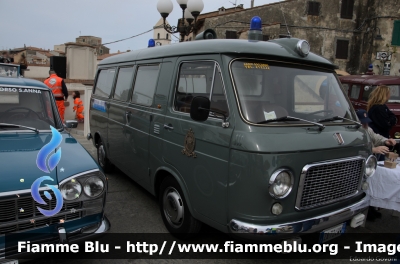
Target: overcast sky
{"points": [[45, 23]]}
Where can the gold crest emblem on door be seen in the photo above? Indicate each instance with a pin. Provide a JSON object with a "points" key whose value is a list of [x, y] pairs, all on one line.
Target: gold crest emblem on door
{"points": [[190, 143]]}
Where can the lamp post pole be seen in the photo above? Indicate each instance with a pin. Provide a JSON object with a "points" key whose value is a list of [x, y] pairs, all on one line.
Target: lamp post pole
{"points": [[191, 9]]}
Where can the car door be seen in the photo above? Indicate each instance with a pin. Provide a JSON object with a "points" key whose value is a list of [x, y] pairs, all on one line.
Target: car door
{"points": [[138, 120], [199, 151], [117, 118]]}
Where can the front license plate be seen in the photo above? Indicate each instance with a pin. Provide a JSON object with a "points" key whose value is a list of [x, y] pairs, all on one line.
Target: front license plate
{"points": [[331, 233]]}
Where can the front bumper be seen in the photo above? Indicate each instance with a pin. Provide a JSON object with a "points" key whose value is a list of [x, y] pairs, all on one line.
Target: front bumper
{"points": [[309, 225], [77, 237]]}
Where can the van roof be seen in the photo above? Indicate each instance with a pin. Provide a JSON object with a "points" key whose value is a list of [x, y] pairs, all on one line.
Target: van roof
{"points": [[285, 47], [371, 79]]}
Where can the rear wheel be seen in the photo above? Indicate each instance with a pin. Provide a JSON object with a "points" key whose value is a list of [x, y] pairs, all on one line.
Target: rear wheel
{"points": [[102, 158], [174, 210]]}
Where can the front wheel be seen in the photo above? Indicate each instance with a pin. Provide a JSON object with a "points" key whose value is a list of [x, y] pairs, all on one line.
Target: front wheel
{"points": [[102, 158], [174, 211]]}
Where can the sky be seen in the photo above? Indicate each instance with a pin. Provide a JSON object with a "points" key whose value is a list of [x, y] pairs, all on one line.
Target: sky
{"points": [[45, 23]]}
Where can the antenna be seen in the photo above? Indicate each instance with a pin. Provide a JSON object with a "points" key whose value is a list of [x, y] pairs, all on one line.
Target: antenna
{"points": [[233, 3], [287, 28]]}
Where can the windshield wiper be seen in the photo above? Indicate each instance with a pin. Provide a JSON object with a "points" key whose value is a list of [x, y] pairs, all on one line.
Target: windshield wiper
{"points": [[19, 126], [339, 118], [291, 118]]}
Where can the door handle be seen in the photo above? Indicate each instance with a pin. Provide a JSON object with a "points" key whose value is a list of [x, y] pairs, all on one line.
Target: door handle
{"points": [[169, 127]]}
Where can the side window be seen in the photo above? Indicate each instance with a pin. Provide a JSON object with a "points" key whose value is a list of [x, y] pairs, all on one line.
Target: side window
{"points": [[123, 85], [145, 84], [200, 79], [355, 91], [367, 91], [346, 88], [104, 82]]}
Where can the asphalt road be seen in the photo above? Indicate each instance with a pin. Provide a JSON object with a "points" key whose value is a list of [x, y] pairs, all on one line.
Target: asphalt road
{"points": [[131, 209]]}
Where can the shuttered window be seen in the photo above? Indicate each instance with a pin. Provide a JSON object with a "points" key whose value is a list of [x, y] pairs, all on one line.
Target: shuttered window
{"points": [[396, 33], [313, 8], [342, 49], [231, 34], [347, 9]]}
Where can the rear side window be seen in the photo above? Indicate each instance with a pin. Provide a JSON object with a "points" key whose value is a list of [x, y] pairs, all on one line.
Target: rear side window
{"points": [[145, 84], [104, 82], [123, 85]]}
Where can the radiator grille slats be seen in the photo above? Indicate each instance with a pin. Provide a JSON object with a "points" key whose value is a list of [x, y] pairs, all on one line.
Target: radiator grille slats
{"points": [[325, 183], [15, 210]]}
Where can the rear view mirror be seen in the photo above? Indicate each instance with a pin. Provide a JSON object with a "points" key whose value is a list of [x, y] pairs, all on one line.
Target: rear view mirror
{"points": [[71, 124], [200, 108]]}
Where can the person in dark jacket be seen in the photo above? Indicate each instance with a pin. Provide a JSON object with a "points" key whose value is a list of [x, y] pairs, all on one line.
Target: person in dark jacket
{"points": [[382, 118]]}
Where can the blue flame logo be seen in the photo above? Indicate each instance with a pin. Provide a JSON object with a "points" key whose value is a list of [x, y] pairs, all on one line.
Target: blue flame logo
{"points": [[47, 161], [47, 150]]}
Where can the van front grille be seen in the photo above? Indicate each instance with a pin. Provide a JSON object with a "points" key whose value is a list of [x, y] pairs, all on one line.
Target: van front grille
{"points": [[17, 213], [328, 182]]}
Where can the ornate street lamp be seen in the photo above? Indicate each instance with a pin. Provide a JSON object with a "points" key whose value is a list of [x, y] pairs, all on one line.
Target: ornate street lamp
{"points": [[191, 9]]}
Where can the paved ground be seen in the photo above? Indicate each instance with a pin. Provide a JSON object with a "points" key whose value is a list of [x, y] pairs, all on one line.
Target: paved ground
{"points": [[131, 209]]}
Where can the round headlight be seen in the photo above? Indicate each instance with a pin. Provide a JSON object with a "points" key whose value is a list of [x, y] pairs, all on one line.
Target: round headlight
{"points": [[93, 186], [303, 48], [370, 166], [280, 184], [71, 190]]}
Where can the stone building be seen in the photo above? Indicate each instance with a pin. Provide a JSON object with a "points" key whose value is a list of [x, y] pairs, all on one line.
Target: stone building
{"points": [[160, 35], [351, 33], [93, 41]]}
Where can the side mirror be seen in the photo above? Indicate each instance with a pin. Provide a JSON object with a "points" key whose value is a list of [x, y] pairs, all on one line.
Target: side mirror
{"points": [[71, 123], [200, 108]]}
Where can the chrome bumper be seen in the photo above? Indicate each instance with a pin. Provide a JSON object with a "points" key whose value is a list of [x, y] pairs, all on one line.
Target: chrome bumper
{"points": [[309, 225]]}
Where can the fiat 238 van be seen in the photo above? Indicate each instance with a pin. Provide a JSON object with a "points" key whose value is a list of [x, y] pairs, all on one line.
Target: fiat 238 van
{"points": [[244, 136], [51, 190]]}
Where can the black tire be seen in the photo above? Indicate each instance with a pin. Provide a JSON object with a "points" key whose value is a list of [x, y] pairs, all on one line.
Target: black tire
{"points": [[175, 212], [102, 158]]}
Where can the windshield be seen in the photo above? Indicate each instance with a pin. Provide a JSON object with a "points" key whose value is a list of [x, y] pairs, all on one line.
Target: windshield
{"points": [[26, 107], [269, 91], [8, 70]]}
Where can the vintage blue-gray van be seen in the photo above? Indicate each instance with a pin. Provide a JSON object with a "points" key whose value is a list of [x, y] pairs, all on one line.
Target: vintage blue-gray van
{"points": [[249, 137], [51, 189]]}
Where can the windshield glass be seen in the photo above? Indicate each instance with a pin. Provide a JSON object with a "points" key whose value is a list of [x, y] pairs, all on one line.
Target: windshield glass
{"points": [[269, 90], [26, 107], [8, 70]]}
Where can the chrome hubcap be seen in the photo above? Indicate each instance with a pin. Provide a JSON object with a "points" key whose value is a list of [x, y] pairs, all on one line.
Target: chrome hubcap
{"points": [[173, 207]]}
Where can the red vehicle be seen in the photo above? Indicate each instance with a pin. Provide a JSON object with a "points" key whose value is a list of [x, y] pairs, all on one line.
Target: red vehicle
{"points": [[359, 87]]}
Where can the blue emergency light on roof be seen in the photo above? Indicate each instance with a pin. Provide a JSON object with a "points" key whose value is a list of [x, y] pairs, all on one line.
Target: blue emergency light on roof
{"points": [[255, 32], [255, 23], [152, 43]]}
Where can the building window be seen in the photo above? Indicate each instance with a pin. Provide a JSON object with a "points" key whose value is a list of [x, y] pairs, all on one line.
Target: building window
{"points": [[83, 40], [158, 35], [231, 34], [167, 36], [347, 9], [101, 51], [342, 49], [396, 33], [313, 8], [265, 37]]}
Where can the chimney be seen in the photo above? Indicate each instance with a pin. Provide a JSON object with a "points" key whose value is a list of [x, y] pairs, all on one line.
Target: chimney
{"points": [[252, 4]]}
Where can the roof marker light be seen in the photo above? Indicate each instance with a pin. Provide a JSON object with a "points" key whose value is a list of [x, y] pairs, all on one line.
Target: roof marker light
{"points": [[255, 32], [303, 48], [152, 43]]}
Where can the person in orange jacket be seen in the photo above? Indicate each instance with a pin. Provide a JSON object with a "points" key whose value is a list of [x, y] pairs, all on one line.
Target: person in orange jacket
{"points": [[59, 89], [78, 106]]}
